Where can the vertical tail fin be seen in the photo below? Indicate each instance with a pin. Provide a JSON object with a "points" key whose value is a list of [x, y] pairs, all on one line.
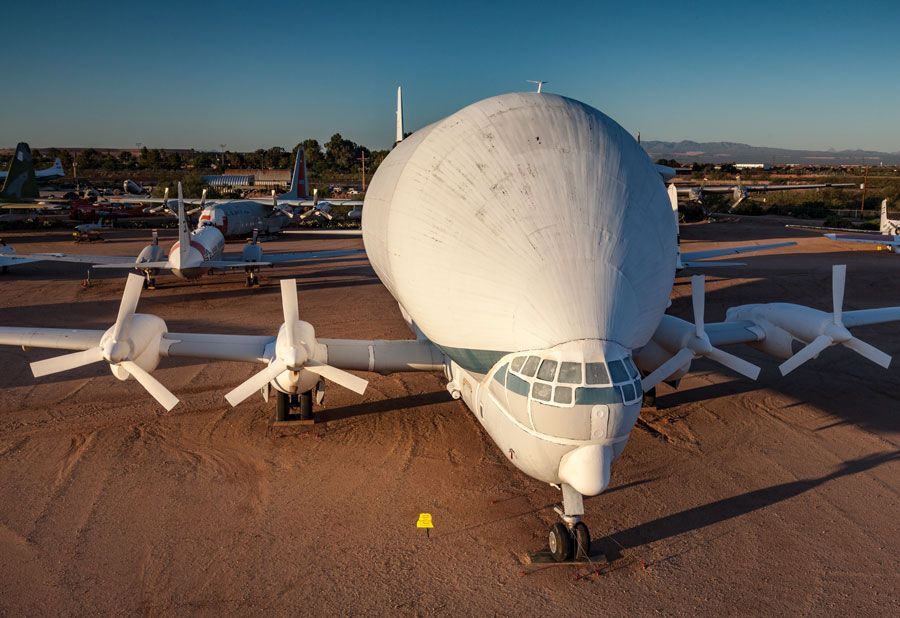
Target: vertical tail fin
{"points": [[673, 199], [184, 230], [885, 226], [298, 179], [399, 137], [21, 182]]}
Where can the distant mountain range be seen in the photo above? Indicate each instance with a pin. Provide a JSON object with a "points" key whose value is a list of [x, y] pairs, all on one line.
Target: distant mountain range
{"points": [[731, 152]]}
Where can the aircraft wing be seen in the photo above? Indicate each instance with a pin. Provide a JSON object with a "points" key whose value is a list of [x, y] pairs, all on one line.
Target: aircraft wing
{"points": [[96, 260], [299, 256], [55, 338], [236, 261], [702, 255], [307, 202], [138, 265], [879, 239], [318, 232], [12, 260], [246, 348], [225, 264]]}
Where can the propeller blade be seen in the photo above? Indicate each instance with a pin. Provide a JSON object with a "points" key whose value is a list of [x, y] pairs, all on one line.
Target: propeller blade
{"points": [[255, 383], [127, 307], [669, 367], [153, 386], [868, 351], [838, 280], [697, 292], [307, 213], [736, 364], [289, 307], [203, 199], [66, 362], [315, 197], [338, 376], [327, 215], [810, 351]]}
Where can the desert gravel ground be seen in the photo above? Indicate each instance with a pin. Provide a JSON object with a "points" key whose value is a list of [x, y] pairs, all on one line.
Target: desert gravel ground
{"points": [[732, 498]]}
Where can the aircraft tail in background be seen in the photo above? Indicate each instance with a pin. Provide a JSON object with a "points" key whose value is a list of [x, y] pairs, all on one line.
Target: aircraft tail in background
{"points": [[299, 180], [20, 182], [890, 227]]}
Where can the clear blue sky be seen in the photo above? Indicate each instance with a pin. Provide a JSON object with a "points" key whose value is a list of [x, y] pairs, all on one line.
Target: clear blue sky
{"points": [[254, 74]]}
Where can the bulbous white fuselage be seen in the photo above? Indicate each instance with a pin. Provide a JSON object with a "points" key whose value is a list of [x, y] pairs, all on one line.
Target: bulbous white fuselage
{"points": [[530, 226]]}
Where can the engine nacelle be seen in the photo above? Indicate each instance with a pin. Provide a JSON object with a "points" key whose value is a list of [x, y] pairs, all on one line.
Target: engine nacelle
{"points": [[144, 335], [151, 253], [252, 253], [782, 323]]}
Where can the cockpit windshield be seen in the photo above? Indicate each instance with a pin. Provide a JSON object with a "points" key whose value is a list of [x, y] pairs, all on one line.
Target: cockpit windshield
{"points": [[567, 383]]}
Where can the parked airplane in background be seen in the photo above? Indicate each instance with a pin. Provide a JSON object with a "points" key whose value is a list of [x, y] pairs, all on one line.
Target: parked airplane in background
{"points": [[201, 250], [55, 171], [542, 313], [888, 235], [741, 192], [194, 254], [132, 188], [692, 259]]}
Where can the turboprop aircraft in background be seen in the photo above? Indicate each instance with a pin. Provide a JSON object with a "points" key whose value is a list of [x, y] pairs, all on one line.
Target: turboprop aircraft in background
{"points": [[49, 173], [194, 254], [241, 218], [887, 236], [546, 316], [741, 192], [692, 259]]}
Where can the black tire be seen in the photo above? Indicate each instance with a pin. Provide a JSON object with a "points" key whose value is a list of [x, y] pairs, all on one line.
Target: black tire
{"points": [[282, 406], [582, 541], [560, 542]]}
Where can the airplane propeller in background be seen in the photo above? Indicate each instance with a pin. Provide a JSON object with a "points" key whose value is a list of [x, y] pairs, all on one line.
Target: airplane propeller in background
{"points": [[118, 347], [697, 344], [200, 207], [287, 212], [834, 332], [294, 350]]}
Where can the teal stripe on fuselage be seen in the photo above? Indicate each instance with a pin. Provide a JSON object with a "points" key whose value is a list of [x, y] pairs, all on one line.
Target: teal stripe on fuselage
{"points": [[476, 361]]}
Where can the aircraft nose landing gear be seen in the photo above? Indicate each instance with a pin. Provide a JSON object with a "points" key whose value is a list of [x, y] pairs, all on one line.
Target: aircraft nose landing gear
{"points": [[570, 539], [293, 408], [252, 278]]}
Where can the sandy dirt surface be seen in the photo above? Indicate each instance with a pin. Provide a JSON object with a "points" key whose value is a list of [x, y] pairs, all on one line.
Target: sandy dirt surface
{"points": [[732, 498]]}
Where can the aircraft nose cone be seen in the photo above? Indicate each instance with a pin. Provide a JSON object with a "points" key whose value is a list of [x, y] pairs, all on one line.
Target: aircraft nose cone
{"points": [[586, 468]]}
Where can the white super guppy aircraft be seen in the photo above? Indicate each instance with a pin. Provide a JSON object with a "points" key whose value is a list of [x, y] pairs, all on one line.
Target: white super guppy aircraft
{"points": [[546, 312]]}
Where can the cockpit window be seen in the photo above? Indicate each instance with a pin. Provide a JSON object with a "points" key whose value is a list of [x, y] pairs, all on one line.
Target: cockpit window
{"points": [[627, 392], [596, 373], [541, 391], [517, 363], [563, 394], [617, 369], [530, 366], [547, 371], [590, 396], [569, 373], [500, 375]]}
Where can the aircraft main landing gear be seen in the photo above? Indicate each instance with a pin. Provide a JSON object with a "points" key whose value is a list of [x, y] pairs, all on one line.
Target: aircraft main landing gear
{"points": [[570, 538], [285, 406], [252, 278]]}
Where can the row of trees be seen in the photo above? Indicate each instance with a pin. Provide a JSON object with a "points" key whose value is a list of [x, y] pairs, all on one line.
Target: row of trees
{"points": [[337, 157]]}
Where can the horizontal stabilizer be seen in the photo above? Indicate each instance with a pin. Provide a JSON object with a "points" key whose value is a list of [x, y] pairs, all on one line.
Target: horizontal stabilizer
{"points": [[702, 255]]}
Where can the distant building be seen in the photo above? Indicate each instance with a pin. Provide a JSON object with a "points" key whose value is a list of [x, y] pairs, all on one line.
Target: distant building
{"points": [[268, 179], [230, 180], [752, 166]]}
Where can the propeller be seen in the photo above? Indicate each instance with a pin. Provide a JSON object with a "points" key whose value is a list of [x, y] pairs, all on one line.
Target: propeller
{"points": [[116, 347], [164, 205], [835, 332], [281, 209], [697, 344], [317, 209], [294, 349], [201, 206], [740, 194]]}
